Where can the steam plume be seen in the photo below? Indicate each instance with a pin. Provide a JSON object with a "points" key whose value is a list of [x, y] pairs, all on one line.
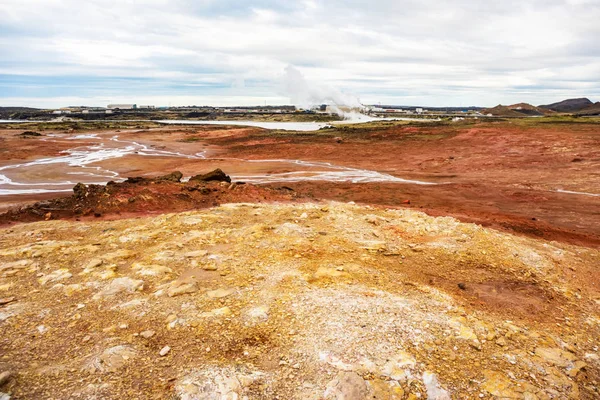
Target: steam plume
{"points": [[305, 94]]}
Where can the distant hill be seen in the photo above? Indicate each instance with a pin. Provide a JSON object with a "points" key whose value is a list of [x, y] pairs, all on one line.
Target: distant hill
{"points": [[569, 105], [594, 109], [20, 112], [528, 109], [516, 110]]}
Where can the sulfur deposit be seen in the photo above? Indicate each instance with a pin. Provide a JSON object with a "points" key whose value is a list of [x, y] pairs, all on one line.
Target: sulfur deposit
{"points": [[303, 301]]}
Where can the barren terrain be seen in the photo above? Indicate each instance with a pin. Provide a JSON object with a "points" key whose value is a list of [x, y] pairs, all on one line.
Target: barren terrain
{"points": [[315, 301], [375, 261]]}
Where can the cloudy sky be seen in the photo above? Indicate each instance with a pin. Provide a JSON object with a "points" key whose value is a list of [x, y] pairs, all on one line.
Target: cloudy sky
{"points": [[227, 52]]}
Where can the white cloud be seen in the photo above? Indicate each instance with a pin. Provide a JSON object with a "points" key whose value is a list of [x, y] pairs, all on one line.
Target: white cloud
{"points": [[427, 52]]}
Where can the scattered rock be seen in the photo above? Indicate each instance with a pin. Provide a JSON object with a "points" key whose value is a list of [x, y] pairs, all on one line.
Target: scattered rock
{"points": [[462, 286], [164, 351], [151, 270], [556, 356], [119, 285], [172, 177], [182, 286], [497, 384], [347, 386], [6, 300], [576, 368], [110, 359], [219, 312], [147, 334], [385, 390], [55, 276], [5, 377], [220, 293], [215, 383], [80, 190], [434, 390]]}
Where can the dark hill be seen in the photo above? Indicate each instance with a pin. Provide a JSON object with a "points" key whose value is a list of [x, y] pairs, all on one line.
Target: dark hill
{"points": [[594, 109], [570, 105]]}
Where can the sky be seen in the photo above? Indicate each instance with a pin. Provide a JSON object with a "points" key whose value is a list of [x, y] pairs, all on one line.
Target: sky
{"points": [[233, 52]]}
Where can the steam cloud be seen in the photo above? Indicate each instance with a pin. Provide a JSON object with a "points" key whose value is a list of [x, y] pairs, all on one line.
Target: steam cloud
{"points": [[304, 94]]}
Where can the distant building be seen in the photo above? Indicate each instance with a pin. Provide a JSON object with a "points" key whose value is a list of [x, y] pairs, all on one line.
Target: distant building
{"points": [[122, 106], [145, 107], [93, 110], [62, 111], [419, 110]]}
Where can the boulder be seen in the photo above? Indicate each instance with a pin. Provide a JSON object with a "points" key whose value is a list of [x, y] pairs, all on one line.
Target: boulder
{"points": [[80, 190], [172, 177], [216, 175]]}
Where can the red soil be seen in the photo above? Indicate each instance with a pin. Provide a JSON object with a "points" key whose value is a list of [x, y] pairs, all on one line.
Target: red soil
{"points": [[500, 174]]}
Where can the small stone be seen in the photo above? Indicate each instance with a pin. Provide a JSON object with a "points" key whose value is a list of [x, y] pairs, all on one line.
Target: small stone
{"points": [[577, 366], [164, 351], [147, 334], [501, 342], [86, 338], [5, 377], [347, 385], [556, 356], [462, 286], [6, 300], [179, 287], [219, 293]]}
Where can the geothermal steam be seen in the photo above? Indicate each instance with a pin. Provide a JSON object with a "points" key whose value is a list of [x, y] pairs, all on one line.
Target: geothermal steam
{"points": [[305, 94]]}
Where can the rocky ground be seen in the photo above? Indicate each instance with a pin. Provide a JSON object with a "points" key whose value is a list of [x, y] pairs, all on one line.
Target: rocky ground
{"points": [[294, 301], [142, 196]]}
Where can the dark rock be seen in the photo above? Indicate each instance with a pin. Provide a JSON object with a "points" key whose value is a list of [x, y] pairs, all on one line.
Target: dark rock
{"points": [[29, 134], [136, 179], [80, 190], [216, 175], [172, 177], [462, 286]]}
